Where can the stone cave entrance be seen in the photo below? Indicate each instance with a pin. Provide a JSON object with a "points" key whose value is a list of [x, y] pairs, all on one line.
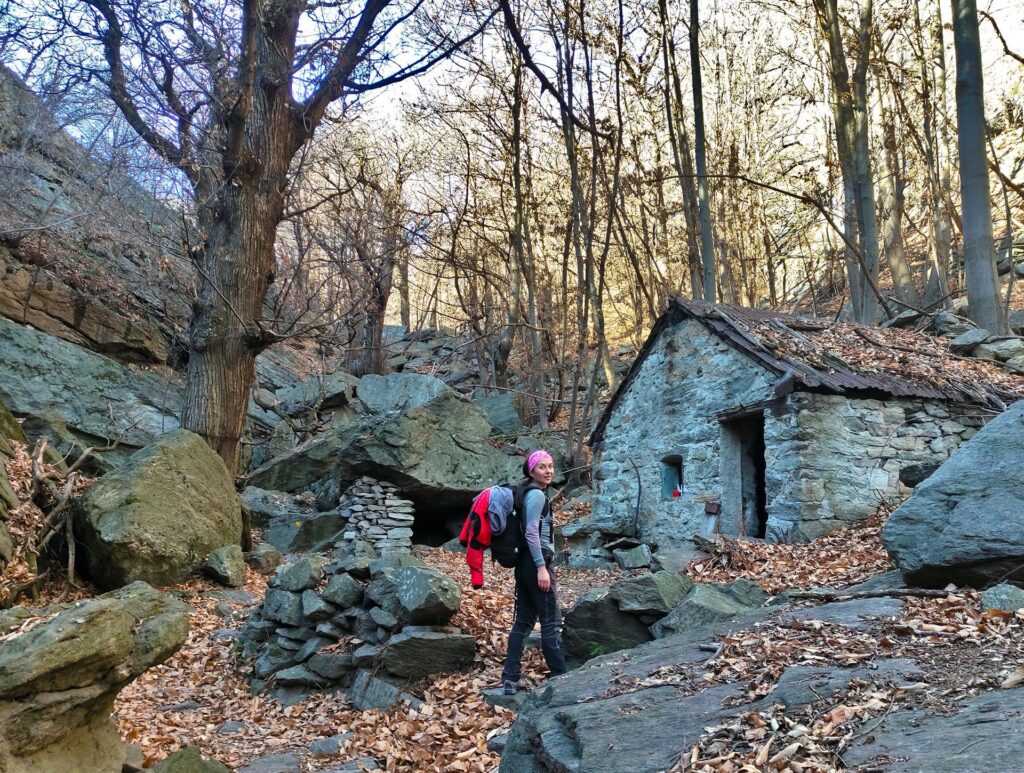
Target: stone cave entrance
{"points": [[744, 503]]}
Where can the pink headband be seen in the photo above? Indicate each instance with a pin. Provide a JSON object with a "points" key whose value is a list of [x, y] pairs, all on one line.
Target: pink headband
{"points": [[536, 458]]}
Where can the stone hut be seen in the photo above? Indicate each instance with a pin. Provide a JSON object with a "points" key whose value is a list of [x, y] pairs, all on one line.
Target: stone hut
{"points": [[747, 422]]}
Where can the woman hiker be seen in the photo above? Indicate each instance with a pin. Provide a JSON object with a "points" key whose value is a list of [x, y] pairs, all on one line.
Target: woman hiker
{"points": [[536, 588]]}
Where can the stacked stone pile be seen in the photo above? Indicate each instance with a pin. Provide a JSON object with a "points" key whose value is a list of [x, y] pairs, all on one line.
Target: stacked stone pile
{"points": [[327, 624], [378, 515]]}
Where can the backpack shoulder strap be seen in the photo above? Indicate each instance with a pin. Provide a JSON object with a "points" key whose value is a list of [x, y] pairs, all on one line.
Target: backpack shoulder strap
{"points": [[519, 492]]}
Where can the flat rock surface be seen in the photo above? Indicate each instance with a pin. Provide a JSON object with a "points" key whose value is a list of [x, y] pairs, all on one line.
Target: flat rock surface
{"points": [[983, 737]]}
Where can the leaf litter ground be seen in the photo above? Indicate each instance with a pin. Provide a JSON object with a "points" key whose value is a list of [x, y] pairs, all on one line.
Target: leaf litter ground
{"points": [[450, 732], [200, 697]]}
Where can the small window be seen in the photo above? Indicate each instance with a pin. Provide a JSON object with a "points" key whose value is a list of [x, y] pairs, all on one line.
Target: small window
{"points": [[672, 476]]}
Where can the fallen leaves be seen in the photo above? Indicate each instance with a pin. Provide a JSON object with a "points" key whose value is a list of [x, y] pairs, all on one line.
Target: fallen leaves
{"points": [[448, 732], [845, 557]]}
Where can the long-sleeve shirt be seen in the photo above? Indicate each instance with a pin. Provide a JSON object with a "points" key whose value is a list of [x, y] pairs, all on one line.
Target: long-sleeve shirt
{"points": [[539, 528]]}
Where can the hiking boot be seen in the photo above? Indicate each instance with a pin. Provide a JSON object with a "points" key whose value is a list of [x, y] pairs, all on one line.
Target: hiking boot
{"points": [[510, 687]]}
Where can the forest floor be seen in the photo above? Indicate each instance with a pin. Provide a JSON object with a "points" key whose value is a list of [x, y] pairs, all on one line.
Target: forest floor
{"points": [[974, 651], [200, 696]]}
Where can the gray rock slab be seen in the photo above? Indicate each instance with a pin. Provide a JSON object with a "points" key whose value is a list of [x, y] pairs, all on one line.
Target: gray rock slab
{"points": [[595, 719], [144, 405], [328, 747], [656, 593], [226, 565], [264, 558], [188, 760], [705, 604], [343, 590], [975, 740], [275, 763], [300, 575], [596, 626], [634, 558], [372, 692], [284, 607], [1004, 596], [414, 653]]}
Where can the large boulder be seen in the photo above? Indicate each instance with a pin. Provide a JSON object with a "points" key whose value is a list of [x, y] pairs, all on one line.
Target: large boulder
{"points": [[416, 433], [964, 524], [651, 594], [596, 626], [58, 680], [159, 515], [416, 595], [707, 604]]}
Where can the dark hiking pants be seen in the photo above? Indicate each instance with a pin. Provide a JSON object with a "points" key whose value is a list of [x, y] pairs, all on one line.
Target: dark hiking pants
{"points": [[533, 603]]}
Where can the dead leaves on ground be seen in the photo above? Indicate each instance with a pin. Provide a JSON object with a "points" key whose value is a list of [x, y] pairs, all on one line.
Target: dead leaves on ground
{"points": [[961, 650], [842, 558], [449, 732]]}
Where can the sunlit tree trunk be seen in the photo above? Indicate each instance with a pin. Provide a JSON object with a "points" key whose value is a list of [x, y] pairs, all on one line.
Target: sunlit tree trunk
{"points": [[979, 251]]}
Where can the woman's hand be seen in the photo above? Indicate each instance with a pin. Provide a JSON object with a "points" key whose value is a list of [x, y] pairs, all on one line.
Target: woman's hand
{"points": [[543, 579]]}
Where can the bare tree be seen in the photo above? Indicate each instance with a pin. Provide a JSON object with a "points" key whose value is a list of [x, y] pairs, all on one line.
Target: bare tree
{"points": [[228, 92]]}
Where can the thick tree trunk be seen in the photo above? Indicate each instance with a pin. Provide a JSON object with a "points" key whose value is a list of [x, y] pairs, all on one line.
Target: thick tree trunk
{"points": [[849, 110], [936, 146], [979, 250], [236, 263], [682, 157]]}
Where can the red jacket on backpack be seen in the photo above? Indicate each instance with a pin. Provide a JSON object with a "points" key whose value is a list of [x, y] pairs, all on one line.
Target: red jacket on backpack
{"points": [[476, 536]]}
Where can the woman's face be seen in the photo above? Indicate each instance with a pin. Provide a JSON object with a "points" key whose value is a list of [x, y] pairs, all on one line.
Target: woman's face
{"points": [[543, 472]]}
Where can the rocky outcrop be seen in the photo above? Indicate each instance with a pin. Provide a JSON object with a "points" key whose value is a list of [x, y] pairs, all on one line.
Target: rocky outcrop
{"points": [[59, 679], [973, 739], [97, 398], [415, 433], [706, 604], [104, 253], [159, 515], [638, 712], [650, 606], [596, 626], [37, 298], [964, 524]]}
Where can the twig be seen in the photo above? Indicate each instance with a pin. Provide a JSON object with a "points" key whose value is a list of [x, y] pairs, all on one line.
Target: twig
{"points": [[927, 593]]}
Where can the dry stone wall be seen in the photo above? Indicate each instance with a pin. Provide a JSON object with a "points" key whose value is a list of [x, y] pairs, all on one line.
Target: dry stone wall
{"points": [[669, 409], [831, 460], [377, 515], [323, 622]]}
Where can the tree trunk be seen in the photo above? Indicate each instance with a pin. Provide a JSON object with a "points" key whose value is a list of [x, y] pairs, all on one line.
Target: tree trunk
{"points": [[867, 219], [707, 239], [238, 217], [892, 206], [979, 252], [849, 106], [680, 143]]}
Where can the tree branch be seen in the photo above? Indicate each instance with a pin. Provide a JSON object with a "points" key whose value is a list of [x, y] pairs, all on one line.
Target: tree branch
{"points": [[112, 38]]}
